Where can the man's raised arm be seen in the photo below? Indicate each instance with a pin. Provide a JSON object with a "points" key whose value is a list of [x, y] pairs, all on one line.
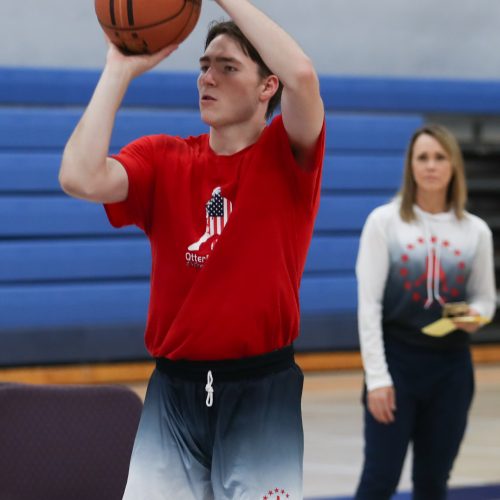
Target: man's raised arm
{"points": [[86, 171], [301, 103]]}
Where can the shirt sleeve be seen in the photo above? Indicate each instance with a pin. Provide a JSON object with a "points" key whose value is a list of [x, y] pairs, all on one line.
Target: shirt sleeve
{"points": [[372, 268], [316, 161], [309, 179], [138, 160], [481, 289]]}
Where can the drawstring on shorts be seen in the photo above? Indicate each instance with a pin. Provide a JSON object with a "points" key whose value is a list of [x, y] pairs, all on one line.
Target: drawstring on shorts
{"points": [[209, 389], [229, 370]]}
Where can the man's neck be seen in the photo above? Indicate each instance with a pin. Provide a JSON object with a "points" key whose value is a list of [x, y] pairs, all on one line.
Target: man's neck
{"points": [[228, 140]]}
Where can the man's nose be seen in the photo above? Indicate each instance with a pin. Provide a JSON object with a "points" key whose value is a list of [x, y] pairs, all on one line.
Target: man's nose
{"points": [[208, 77]]}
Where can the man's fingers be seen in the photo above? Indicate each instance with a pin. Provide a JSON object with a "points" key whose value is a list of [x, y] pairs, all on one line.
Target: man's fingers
{"points": [[157, 57]]}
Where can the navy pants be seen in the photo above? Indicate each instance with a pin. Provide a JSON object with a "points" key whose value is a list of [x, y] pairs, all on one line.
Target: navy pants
{"points": [[434, 390]]}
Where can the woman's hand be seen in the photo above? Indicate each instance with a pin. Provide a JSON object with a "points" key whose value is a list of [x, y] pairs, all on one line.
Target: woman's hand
{"points": [[468, 327], [382, 404]]}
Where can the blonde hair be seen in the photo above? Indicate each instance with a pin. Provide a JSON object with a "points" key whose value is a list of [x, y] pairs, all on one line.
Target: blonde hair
{"points": [[457, 188]]}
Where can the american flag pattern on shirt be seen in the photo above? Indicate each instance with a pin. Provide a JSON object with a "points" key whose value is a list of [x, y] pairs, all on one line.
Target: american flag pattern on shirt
{"points": [[218, 209]]}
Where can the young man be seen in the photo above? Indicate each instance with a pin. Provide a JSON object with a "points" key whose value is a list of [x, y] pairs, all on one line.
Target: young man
{"points": [[229, 216]]}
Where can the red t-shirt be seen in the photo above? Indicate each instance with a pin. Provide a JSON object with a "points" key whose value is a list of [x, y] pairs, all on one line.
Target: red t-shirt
{"points": [[229, 237]]}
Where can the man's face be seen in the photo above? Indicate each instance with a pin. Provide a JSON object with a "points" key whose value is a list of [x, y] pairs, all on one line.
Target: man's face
{"points": [[229, 84]]}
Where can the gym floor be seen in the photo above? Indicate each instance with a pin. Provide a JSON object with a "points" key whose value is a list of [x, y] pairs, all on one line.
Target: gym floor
{"points": [[333, 435]]}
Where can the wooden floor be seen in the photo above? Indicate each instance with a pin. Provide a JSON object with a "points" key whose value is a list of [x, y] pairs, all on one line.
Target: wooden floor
{"points": [[140, 371], [333, 440]]}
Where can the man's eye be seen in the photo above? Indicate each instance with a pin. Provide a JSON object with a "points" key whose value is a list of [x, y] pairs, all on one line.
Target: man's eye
{"points": [[229, 69], [203, 69]]}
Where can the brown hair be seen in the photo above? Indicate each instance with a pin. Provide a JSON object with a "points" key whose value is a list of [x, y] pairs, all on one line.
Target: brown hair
{"points": [[456, 197], [230, 29]]}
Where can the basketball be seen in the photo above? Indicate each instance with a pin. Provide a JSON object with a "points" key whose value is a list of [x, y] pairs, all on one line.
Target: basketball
{"points": [[146, 26]]}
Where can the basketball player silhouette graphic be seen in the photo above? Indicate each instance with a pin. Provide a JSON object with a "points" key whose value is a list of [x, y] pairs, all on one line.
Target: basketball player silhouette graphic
{"points": [[218, 209]]}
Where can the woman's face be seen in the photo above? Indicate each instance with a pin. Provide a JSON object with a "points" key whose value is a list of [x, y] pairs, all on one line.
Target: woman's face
{"points": [[431, 166]]}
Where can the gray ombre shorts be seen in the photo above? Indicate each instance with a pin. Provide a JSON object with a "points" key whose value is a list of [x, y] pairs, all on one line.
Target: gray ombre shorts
{"points": [[224, 430]]}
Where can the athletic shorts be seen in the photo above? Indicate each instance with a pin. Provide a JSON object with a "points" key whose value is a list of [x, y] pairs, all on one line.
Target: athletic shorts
{"points": [[224, 430]]}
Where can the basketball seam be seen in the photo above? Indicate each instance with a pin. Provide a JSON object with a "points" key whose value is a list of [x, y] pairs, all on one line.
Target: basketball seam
{"points": [[112, 12], [189, 18], [130, 12], [146, 26]]}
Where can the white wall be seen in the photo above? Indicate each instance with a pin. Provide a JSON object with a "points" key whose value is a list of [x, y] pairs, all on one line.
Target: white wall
{"points": [[444, 38]]}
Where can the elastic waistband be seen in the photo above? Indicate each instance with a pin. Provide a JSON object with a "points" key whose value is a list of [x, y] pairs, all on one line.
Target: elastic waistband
{"points": [[231, 369]]}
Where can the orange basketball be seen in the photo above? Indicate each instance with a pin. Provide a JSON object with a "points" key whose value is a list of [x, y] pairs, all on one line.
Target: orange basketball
{"points": [[146, 26]]}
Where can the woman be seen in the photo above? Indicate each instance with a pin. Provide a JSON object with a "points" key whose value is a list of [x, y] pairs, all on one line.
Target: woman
{"points": [[418, 253]]}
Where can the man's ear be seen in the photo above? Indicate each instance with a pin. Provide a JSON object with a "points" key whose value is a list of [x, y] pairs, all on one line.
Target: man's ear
{"points": [[270, 86]]}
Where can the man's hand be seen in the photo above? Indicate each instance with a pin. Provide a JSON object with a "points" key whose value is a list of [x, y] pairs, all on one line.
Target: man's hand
{"points": [[382, 404], [135, 65]]}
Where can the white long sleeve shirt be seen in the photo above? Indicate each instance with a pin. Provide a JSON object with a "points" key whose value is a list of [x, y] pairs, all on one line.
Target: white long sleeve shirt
{"points": [[407, 271]]}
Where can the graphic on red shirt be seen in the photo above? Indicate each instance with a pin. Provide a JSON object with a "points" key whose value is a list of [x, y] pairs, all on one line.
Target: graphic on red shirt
{"points": [[218, 209]]}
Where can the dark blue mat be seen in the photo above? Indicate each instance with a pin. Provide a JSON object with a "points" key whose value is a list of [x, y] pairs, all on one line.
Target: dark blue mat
{"points": [[489, 492]]}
